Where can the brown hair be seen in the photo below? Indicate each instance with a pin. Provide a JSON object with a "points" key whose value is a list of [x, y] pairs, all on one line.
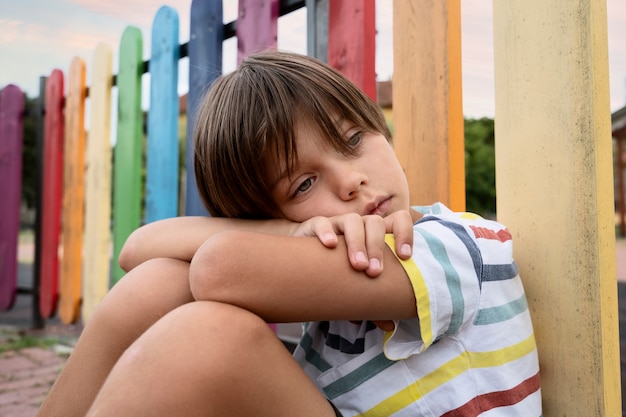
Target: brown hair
{"points": [[247, 121]]}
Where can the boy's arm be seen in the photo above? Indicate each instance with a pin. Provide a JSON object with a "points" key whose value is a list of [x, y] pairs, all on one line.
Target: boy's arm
{"points": [[287, 279], [180, 237]]}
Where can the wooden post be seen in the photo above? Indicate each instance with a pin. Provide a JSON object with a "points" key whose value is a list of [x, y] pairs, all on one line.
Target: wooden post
{"points": [[427, 100], [555, 192]]}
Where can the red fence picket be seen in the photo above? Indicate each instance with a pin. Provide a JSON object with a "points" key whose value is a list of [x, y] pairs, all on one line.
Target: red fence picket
{"points": [[52, 193]]}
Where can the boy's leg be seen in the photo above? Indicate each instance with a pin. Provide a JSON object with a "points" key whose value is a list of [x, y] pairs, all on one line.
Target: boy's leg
{"points": [[209, 359], [136, 302]]}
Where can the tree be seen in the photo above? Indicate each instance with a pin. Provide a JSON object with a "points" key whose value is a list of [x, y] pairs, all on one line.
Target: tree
{"points": [[480, 172]]}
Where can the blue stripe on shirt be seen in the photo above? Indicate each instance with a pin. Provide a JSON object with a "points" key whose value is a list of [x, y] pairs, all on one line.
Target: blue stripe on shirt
{"points": [[355, 378], [464, 237], [500, 272], [313, 357], [438, 249], [501, 313]]}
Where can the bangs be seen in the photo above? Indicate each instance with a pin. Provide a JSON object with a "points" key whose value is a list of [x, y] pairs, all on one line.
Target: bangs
{"points": [[294, 91]]}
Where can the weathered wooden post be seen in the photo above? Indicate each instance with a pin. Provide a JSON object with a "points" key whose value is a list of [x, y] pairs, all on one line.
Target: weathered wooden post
{"points": [[555, 192], [427, 100]]}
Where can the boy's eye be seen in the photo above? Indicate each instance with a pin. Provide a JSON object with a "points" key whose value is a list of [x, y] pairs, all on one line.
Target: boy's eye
{"points": [[304, 186], [355, 139]]}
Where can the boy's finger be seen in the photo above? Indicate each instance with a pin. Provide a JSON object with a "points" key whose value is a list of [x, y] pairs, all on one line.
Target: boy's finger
{"points": [[354, 233], [375, 229], [402, 229], [325, 232]]}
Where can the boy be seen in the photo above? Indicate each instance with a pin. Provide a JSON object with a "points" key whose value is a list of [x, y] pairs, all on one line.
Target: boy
{"points": [[446, 332]]}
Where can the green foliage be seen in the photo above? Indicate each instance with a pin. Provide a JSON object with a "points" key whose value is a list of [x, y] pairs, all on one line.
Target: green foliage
{"points": [[480, 172]]}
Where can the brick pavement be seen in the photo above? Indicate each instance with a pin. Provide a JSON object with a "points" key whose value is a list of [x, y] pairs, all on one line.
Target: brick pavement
{"points": [[25, 378]]}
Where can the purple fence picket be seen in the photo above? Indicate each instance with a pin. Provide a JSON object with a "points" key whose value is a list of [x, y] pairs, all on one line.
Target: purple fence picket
{"points": [[11, 143], [257, 26]]}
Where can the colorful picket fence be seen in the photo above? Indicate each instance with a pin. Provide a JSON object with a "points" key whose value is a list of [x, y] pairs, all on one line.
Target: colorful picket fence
{"points": [[553, 156]]}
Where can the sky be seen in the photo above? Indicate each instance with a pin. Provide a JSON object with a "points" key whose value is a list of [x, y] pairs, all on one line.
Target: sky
{"points": [[37, 36]]}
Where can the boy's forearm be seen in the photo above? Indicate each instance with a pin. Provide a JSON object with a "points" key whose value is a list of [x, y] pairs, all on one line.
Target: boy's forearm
{"points": [[286, 279], [180, 237]]}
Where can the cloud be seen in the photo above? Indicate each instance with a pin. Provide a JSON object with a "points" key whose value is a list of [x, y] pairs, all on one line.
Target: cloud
{"points": [[139, 13], [10, 31]]}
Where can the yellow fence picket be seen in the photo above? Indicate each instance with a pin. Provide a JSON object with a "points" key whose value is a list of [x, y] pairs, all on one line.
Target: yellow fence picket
{"points": [[98, 185]]}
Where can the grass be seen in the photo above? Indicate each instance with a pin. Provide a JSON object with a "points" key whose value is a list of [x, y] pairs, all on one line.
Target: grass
{"points": [[11, 340]]}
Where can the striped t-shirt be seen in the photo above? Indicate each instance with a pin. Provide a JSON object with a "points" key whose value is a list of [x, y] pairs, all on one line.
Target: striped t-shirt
{"points": [[470, 352]]}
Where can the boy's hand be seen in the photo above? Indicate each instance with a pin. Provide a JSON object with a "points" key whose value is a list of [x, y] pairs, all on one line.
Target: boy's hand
{"points": [[364, 236]]}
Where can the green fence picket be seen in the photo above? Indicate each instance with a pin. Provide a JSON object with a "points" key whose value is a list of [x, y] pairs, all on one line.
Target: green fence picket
{"points": [[128, 152]]}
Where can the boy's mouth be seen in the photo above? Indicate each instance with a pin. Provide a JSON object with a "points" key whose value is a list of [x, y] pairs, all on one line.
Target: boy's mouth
{"points": [[379, 207]]}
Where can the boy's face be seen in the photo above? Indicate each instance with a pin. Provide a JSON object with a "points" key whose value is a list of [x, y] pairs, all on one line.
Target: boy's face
{"points": [[327, 183]]}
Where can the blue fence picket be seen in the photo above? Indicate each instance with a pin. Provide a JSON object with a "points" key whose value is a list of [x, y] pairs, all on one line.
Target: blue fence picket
{"points": [[206, 37], [162, 156], [11, 144]]}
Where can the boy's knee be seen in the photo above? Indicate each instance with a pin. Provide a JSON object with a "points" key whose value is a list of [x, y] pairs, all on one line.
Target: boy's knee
{"points": [[144, 295], [234, 326]]}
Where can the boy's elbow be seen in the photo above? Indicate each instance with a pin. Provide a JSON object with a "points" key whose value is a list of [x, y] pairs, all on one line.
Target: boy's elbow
{"points": [[208, 273], [128, 256], [124, 260]]}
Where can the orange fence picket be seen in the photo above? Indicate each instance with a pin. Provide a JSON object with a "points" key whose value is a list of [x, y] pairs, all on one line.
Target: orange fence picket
{"points": [[72, 214]]}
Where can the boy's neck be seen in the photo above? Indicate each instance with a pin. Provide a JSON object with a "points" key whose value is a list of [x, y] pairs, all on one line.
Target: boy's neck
{"points": [[416, 215]]}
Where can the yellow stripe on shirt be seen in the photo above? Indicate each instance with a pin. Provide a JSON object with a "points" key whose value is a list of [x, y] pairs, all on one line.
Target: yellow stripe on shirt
{"points": [[421, 295], [447, 372]]}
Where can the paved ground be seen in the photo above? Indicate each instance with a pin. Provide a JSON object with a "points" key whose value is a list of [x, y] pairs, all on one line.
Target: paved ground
{"points": [[26, 374]]}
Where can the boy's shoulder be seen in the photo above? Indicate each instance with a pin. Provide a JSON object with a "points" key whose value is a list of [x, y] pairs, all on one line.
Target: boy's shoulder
{"points": [[471, 229], [441, 211]]}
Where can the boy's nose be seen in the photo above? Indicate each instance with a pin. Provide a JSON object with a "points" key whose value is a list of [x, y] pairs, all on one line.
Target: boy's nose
{"points": [[351, 182]]}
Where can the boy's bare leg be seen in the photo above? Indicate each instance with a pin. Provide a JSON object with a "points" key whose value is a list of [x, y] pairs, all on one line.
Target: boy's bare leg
{"points": [[136, 302], [209, 359]]}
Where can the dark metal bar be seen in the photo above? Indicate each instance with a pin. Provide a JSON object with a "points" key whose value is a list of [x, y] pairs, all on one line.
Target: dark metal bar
{"points": [[230, 31]]}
